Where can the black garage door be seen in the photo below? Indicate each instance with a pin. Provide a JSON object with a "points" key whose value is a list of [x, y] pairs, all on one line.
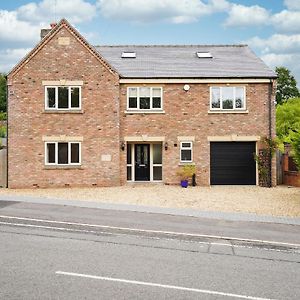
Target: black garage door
{"points": [[232, 163]]}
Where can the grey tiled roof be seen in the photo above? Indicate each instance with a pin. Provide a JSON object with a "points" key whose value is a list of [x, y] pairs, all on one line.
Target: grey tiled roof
{"points": [[231, 61]]}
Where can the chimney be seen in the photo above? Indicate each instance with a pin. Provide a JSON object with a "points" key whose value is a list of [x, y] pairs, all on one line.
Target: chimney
{"points": [[44, 32]]}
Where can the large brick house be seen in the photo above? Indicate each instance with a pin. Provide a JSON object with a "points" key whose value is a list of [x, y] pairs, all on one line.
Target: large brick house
{"points": [[80, 115]]}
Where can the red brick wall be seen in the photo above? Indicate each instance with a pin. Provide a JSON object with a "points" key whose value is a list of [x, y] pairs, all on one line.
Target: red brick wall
{"points": [[186, 114], [28, 122]]}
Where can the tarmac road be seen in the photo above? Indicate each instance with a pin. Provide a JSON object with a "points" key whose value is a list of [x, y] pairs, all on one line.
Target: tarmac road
{"points": [[64, 252]]}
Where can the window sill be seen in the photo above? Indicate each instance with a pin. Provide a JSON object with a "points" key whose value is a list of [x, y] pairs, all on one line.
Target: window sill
{"points": [[186, 163], [65, 167], [144, 112], [79, 111], [228, 112]]}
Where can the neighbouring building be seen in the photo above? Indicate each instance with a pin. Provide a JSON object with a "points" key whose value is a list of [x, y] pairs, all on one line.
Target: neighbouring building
{"points": [[80, 115]]}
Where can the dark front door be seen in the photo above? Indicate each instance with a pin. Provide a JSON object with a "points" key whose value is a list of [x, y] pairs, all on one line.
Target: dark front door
{"points": [[142, 162], [232, 163]]}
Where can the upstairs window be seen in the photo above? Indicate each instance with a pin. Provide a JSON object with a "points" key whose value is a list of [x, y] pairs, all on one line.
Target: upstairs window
{"points": [[128, 54], [62, 97], [227, 98], [144, 98], [63, 153], [186, 152], [204, 55]]}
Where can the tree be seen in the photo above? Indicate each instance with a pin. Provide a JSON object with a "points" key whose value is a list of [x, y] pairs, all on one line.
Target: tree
{"points": [[288, 126], [286, 85], [2, 93]]}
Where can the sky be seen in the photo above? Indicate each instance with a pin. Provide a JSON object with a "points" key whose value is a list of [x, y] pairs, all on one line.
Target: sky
{"points": [[270, 27]]}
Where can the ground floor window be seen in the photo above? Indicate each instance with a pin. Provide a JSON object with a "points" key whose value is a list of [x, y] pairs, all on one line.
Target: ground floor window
{"points": [[144, 162], [62, 153], [186, 151]]}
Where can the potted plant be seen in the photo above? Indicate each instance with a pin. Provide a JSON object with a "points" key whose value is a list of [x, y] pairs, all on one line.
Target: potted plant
{"points": [[185, 173]]}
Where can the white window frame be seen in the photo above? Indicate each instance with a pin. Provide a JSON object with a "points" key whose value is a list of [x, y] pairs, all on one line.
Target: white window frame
{"points": [[221, 99], [186, 148], [56, 154], [151, 99], [56, 98]]}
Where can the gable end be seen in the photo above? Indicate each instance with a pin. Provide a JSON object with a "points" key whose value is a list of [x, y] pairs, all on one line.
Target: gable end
{"points": [[63, 23]]}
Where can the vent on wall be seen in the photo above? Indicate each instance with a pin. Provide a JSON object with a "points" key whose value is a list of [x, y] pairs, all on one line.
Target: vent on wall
{"points": [[204, 54], [128, 54]]}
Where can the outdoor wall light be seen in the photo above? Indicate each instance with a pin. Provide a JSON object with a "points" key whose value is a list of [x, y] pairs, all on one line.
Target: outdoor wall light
{"points": [[186, 87], [122, 146], [166, 145]]}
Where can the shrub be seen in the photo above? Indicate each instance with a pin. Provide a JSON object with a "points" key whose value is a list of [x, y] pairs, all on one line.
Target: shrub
{"points": [[186, 172], [2, 116], [2, 131]]}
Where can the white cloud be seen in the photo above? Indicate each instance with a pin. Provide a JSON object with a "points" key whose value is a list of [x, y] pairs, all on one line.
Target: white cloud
{"points": [[280, 50], [277, 43], [76, 11], [287, 21], [174, 11], [292, 4], [9, 58], [273, 59], [242, 16], [287, 60], [14, 30]]}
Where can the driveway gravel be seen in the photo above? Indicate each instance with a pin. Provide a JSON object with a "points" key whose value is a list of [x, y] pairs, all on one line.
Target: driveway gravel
{"points": [[278, 201]]}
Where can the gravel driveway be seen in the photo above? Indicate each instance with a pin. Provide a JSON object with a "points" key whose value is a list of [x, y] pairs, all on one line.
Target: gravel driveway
{"points": [[279, 201]]}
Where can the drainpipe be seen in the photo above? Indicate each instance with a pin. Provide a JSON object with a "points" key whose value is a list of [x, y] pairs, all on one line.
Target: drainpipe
{"points": [[6, 132], [270, 130]]}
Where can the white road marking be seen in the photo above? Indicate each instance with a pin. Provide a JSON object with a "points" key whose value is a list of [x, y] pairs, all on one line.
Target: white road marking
{"points": [[49, 227], [108, 233], [155, 231], [166, 286]]}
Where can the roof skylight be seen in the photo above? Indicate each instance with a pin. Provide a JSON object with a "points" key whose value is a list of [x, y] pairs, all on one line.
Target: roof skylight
{"points": [[204, 55], [128, 54]]}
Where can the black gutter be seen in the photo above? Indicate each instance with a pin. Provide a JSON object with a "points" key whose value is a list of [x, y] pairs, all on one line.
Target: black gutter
{"points": [[6, 132], [270, 132]]}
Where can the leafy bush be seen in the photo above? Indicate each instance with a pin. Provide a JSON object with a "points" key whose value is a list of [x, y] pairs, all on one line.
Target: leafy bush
{"points": [[288, 126], [3, 116], [2, 131], [296, 149], [186, 172]]}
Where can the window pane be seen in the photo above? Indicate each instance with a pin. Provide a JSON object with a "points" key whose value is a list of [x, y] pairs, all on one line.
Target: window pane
{"points": [[144, 103], [156, 92], [51, 153], [215, 98], [156, 102], [132, 102], [157, 153], [186, 155], [63, 97], [129, 173], [132, 92], [157, 173], [51, 97], [144, 98], [239, 97], [186, 145], [75, 153], [128, 154], [145, 92], [62, 153], [75, 97], [227, 97]]}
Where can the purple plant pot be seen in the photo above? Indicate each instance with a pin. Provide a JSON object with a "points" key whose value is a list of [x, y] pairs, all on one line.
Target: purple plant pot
{"points": [[184, 183]]}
